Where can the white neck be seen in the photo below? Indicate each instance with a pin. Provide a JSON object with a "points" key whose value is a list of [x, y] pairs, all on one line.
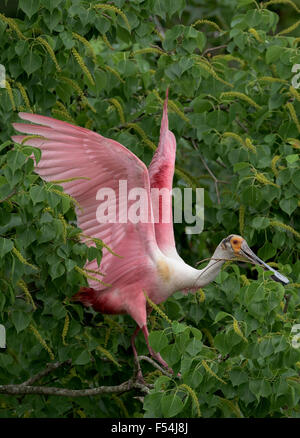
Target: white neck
{"points": [[211, 270]]}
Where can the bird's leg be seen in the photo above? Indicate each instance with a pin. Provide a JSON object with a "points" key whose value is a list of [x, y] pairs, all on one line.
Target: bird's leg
{"points": [[155, 355], [139, 375]]}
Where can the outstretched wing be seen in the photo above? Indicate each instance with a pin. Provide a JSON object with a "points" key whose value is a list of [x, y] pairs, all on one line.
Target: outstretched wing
{"points": [[161, 171], [68, 152]]}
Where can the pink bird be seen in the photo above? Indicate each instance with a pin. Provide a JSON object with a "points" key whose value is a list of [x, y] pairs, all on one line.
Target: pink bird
{"points": [[149, 261]]}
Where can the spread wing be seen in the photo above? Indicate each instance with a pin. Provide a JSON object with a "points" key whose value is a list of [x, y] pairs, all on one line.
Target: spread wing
{"points": [[161, 171], [68, 152]]}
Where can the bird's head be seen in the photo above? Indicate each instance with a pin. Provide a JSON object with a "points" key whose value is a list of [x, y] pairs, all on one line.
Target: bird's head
{"points": [[235, 247]]}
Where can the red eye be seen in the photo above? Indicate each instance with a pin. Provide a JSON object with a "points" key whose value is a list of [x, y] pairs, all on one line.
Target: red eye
{"points": [[235, 242]]}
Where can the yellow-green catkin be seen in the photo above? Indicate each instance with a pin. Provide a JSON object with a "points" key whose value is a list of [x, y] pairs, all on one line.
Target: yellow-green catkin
{"points": [[273, 164], [249, 145], [63, 112], [101, 244], [21, 258], [108, 332], [207, 67], [255, 34], [90, 277], [121, 405], [119, 108], [209, 336], [86, 43], [13, 25], [108, 355], [242, 96], [209, 22], [278, 2], [114, 72], [294, 93], [78, 90], [272, 80], [292, 111], [172, 105], [41, 341], [24, 96], [106, 42], [10, 95], [117, 11], [142, 133], [234, 407], [81, 413], [60, 181], [275, 223], [210, 371], [238, 331], [65, 195], [235, 136], [260, 177], [193, 396], [65, 329], [245, 280], [290, 28], [242, 218], [228, 57], [29, 298], [50, 51], [155, 50], [294, 142], [93, 271], [200, 295], [82, 65], [157, 309], [64, 225]]}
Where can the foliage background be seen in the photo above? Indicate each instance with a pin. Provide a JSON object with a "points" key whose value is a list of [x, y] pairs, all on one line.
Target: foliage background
{"points": [[106, 66]]}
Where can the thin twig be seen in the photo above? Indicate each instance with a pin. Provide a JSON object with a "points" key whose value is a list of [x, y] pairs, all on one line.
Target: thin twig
{"points": [[213, 177], [9, 196], [50, 367], [241, 125], [158, 25], [287, 300], [152, 362], [212, 49]]}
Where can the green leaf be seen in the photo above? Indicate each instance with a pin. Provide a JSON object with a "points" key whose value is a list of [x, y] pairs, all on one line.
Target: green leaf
{"points": [[267, 251], [238, 376], [260, 223], [194, 346], [57, 270], [52, 18], [15, 160], [273, 53], [6, 245], [31, 62], [158, 340], [37, 194], [30, 7], [171, 405], [288, 205], [20, 320], [83, 358]]}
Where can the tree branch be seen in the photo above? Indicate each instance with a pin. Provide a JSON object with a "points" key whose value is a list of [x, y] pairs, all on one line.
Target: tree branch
{"points": [[48, 390]]}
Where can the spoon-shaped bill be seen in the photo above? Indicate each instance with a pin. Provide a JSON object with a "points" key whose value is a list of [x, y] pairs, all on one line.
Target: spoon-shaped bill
{"points": [[249, 254]]}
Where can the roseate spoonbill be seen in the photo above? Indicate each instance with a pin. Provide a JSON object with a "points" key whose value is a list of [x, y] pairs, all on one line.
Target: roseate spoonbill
{"points": [[149, 261]]}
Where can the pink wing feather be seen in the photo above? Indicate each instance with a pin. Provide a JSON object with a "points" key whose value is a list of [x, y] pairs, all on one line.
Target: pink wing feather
{"points": [[69, 151], [161, 172]]}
